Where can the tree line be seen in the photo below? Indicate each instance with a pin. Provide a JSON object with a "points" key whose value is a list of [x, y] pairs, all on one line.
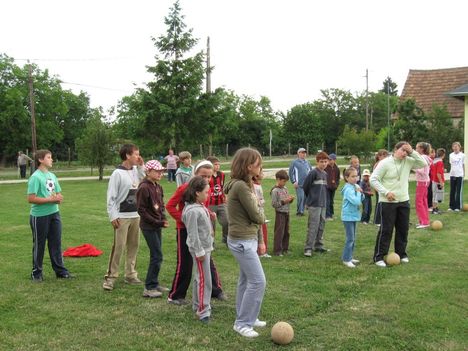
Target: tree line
{"points": [[174, 110]]}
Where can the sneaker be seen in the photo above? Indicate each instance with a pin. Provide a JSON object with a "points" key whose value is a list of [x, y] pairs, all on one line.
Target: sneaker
{"points": [[366, 223], [279, 255], [222, 297], [378, 224], [151, 293], [38, 279], [380, 263], [65, 276], [177, 302], [308, 253], [456, 210], [329, 219], [449, 210], [133, 281], [322, 250], [405, 260], [355, 261], [349, 264], [259, 324], [265, 255], [245, 331], [108, 285], [422, 226], [162, 289], [205, 320]]}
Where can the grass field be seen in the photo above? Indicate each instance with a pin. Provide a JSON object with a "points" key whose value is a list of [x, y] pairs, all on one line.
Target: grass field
{"points": [[418, 306]]}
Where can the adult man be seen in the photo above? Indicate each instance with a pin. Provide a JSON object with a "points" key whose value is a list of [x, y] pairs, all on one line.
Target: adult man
{"points": [[298, 171], [390, 179], [23, 161], [333, 181], [123, 215]]}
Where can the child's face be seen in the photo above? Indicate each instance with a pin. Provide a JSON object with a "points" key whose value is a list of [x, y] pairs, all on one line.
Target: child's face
{"points": [[281, 183], [155, 175], [456, 148], [353, 177], [365, 178], [202, 196], [322, 164], [216, 166], [255, 168], [134, 159], [47, 161], [187, 162], [205, 173]]}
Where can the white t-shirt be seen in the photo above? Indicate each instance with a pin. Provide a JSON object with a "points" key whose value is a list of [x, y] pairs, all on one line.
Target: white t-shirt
{"points": [[456, 164]]}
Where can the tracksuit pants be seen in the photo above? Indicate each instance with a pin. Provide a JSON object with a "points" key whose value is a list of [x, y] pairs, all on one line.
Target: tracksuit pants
{"points": [[201, 293], [456, 187]]}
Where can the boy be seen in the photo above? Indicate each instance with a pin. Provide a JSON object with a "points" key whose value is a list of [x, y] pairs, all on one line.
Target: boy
{"points": [[438, 180], [367, 202], [44, 193], [184, 172], [315, 189], [217, 199], [354, 162], [333, 181], [280, 200], [123, 215], [152, 213]]}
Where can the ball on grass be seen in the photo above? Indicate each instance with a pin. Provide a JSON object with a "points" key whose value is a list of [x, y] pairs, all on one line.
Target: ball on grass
{"points": [[392, 259], [282, 333], [465, 207], [436, 225]]}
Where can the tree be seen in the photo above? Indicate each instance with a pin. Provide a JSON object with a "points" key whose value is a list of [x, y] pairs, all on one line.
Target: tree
{"points": [[362, 143], [411, 125], [389, 87], [95, 145], [442, 132]]}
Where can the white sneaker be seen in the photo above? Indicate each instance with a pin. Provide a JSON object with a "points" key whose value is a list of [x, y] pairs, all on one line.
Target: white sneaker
{"points": [[260, 324], [355, 261], [308, 253], [151, 293], [405, 260], [265, 255], [349, 264], [245, 331], [380, 263], [422, 226], [456, 210], [449, 210]]}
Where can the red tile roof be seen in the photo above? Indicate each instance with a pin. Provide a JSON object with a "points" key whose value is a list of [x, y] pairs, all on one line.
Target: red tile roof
{"points": [[430, 86]]}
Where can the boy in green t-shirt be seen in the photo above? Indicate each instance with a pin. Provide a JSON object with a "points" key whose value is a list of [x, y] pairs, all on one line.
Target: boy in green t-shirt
{"points": [[44, 193]]}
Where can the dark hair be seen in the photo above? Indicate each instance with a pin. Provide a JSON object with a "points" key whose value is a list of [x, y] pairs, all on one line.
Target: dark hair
{"points": [[127, 149], [40, 154], [347, 173], [196, 184], [242, 159], [440, 152], [282, 174], [321, 156], [399, 144], [426, 147], [212, 159], [381, 152]]}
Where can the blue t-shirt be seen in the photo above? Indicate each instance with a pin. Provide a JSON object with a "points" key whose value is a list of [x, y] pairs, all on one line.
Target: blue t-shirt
{"points": [[43, 184]]}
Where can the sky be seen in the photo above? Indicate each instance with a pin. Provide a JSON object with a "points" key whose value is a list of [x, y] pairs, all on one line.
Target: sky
{"points": [[285, 50]]}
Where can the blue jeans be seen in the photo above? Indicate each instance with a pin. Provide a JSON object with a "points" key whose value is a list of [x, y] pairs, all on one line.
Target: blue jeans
{"points": [[330, 199], [350, 232], [300, 199], [153, 239], [251, 284]]}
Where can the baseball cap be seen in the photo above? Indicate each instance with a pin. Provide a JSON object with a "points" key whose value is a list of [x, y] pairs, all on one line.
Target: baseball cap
{"points": [[154, 164], [332, 157], [366, 172], [301, 149]]}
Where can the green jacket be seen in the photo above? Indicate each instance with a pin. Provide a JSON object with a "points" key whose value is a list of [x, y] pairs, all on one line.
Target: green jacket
{"points": [[243, 211], [392, 175]]}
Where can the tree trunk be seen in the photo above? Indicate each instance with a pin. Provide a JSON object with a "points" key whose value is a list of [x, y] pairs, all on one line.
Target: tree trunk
{"points": [[101, 172]]}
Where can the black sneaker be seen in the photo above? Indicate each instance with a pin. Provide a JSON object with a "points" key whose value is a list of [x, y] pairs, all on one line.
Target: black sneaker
{"points": [[38, 279], [322, 250], [221, 297], [65, 276], [205, 320]]}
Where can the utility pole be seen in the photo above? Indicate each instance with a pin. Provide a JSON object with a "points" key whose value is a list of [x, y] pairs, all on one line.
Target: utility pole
{"points": [[388, 117], [33, 115], [208, 68], [367, 99]]}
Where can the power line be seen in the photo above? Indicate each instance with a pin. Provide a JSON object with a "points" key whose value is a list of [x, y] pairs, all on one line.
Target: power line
{"points": [[76, 59], [94, 86]]}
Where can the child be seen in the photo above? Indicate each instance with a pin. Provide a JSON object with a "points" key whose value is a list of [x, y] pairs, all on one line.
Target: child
{"points": [[432, 155], [243, 240], [44, 193], [280, 200], [151, 209], [315, 189], [184, 172], [217, 199], [171, 165], [422, 181], [262, 229], [352, 198], [354, 162], [200, 244], [367, 201], [438, 180], [333, 181], [381, 155], [457, 160]]}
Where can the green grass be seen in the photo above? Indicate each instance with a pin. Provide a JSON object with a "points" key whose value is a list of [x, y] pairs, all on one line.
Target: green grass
{"points": [[419, 306]]}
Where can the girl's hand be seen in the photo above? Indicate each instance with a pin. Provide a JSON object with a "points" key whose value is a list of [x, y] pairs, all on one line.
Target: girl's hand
{"points": [[261, 249]]}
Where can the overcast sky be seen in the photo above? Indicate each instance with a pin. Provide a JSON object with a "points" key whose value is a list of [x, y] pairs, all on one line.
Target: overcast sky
{"points": [[285, 50]]}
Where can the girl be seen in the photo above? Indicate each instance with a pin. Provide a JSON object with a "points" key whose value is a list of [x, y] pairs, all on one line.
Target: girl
{"points": [[262, 230], [422, 182], [200, 244], [44, 193], [243, 240], [457, 159], [350, 214], [381, 154], [150, 205]]}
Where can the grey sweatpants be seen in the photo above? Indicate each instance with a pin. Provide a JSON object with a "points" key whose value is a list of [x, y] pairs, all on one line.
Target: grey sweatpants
{"points": [[201, 293], [315, 228], [251, 284]]}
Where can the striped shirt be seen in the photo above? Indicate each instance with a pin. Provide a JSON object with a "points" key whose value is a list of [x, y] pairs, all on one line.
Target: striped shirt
{"points": [[217, 196]]}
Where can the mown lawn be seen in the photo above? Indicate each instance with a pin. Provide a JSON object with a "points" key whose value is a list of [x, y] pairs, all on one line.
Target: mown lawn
{"points": [[419, 306]]}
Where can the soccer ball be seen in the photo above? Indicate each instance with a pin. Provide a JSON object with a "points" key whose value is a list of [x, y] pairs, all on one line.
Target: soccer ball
{"points": [[282, 333]]}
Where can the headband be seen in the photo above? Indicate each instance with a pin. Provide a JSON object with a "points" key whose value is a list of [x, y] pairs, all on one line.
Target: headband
{"points": [[203, 163]]}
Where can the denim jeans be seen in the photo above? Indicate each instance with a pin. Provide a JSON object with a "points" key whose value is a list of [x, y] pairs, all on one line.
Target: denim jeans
{"points": [[153, 239], [350, 232], [300, 199]]}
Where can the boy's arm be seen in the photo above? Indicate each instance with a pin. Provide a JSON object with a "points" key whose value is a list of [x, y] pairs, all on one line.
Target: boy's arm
{"points": [[275, 199], [172, 205]]}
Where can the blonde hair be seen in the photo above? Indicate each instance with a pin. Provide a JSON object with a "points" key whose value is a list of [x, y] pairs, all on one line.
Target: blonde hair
{"points": [[242, 159], [184, 155]]}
